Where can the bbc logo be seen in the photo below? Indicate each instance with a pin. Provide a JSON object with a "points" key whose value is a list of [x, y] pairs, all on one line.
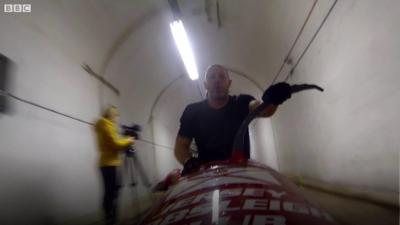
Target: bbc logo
{"points": [[17, 8]]}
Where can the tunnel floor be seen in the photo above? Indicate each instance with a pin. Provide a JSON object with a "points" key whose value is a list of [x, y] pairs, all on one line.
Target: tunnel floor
{"points": [[348, 211]]}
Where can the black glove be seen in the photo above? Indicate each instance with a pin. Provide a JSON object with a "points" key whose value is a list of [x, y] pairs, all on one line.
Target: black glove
{"points": [[191, 165], [277, 93]]}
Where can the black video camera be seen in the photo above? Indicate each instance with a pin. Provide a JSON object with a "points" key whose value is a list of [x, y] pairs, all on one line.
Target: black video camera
{"points": [[131, 131]]}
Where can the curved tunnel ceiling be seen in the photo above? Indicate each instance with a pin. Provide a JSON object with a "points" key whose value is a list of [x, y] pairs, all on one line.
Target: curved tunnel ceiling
{"points": [[253, 40], [113, 39], [254, 36], [131, 45]]}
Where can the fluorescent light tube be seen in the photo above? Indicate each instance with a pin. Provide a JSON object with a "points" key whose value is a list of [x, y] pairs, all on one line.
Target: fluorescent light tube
{"points": [[183, 45]]}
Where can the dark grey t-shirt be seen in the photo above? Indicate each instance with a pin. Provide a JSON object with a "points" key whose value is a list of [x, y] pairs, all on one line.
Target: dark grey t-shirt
{"points": [[214, 130]]}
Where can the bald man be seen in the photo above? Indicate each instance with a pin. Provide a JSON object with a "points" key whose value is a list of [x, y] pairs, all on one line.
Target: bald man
{"points": [[213, 122]]}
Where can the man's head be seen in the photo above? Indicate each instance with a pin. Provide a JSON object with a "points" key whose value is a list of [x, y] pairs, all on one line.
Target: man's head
{"points": [[111, 113], [217, 82]]}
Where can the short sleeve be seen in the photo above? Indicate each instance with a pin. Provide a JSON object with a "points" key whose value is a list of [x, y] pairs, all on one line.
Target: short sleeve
{"points": [[187, 123], [244, 101]]}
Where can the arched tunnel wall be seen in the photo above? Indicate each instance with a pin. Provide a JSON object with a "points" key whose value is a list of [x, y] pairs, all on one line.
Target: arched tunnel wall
{"points": [[47, 161], [346, 134]]}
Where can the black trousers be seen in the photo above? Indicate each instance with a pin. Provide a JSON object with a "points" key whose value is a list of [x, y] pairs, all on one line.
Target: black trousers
{"points": [[112, 184]]}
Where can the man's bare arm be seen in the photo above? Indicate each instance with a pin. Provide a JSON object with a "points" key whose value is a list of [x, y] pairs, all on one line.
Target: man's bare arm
{"points": [[269, 111], [182, 146]]}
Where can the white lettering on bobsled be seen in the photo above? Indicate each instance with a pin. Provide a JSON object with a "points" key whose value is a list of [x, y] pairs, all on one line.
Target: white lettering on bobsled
{"points": [[230, 176], [257, 220], [257, 208]]}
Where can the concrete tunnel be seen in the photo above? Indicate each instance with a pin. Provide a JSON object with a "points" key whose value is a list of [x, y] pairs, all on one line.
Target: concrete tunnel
{"points": [[69, 59]]}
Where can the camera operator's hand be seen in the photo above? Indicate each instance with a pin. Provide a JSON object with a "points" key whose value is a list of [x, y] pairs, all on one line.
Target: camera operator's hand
{"points": [[131, 140], [191, 165], [277, 93]]}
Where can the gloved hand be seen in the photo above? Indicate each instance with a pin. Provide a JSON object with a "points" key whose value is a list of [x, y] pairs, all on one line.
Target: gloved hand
{"points": [[191, 165], [277, 93]]}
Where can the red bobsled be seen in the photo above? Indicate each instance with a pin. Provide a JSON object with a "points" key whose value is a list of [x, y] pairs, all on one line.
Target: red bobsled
{"points": [[245, 193]]}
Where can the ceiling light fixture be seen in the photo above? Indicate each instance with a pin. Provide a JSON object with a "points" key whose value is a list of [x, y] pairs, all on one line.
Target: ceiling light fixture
{"points": [[182, 42]]}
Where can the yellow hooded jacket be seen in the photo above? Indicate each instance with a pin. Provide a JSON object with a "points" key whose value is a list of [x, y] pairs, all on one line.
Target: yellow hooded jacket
{"points": [[110, 143]]}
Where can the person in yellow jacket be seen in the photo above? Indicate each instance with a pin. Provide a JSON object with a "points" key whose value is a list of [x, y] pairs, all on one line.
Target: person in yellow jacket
{"points": [[110, 144]]}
